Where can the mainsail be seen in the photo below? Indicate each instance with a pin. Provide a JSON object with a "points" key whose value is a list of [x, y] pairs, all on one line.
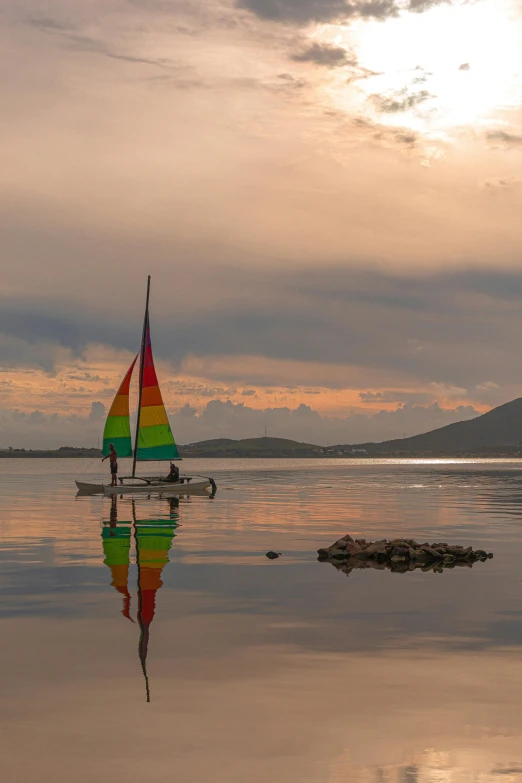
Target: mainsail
{"points": [[117, 426], [155, 439]]}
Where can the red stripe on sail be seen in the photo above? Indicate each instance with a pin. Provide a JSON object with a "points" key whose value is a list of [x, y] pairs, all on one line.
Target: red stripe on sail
{"points": [[125, 384], [149, 373], [149, 377]]}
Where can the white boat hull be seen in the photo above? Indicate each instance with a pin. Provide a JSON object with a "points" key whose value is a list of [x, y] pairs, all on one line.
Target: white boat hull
{"points": [[186, 487]]}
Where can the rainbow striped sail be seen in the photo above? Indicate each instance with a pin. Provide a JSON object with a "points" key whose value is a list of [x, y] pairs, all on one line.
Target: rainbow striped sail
{"points": [[155, 438], [117, 426]]}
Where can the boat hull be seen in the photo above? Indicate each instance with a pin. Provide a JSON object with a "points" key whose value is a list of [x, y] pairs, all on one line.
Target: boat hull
{"points": [[198, 484]]}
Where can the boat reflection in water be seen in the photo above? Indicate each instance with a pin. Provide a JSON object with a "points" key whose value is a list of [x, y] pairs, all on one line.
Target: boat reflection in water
{"points": [[152, 539]]}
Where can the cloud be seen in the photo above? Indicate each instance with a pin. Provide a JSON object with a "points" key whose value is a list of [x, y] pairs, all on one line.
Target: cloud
{"points": [[411, 328], [501, 183], [305, 11], [97, 411], [326, 55], [396, 396], [400, 101], [49, 25], [235, 420], [420, 6], [76, 41], [504, 138]]}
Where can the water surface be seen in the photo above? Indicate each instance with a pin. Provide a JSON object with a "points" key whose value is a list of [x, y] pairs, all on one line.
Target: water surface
{"points": [[259, 671]]}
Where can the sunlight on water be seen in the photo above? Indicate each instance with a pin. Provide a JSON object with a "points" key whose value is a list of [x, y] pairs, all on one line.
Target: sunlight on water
{"points": [[284, 671]]}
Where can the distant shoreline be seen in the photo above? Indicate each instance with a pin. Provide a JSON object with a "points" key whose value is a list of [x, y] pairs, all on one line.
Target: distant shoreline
{"points": [[301, 454]]}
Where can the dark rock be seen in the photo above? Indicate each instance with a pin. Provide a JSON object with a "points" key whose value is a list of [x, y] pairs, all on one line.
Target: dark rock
{"points": [[490, 555], [273, 555], [373, 549], [433, 553], [399, 555], [456, 551], [400, 551]]}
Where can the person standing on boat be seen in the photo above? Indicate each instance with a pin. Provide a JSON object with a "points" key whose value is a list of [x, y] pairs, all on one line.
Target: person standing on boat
{"points": [[113, 459]]}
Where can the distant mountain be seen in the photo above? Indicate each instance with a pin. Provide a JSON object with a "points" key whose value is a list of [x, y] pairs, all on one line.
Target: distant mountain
{"points": [[500, 428]]}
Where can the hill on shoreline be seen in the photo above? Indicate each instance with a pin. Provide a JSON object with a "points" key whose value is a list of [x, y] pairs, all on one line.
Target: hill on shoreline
{"points": [[498, 429], [251, 447]]}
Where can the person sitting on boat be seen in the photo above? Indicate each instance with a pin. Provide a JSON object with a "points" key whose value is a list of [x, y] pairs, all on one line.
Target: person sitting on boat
{"points": [[113, 459], [173, 473]]}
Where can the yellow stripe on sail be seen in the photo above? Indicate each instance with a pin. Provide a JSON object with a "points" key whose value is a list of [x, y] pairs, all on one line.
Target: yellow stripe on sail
{"points": [[153, 415]]}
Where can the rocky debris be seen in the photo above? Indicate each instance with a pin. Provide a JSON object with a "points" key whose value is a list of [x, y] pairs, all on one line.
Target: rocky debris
{"points": [[273, 555], [399, 555]]}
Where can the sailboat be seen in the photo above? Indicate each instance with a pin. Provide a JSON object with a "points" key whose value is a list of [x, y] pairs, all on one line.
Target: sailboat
{"points": [[153, 441]]}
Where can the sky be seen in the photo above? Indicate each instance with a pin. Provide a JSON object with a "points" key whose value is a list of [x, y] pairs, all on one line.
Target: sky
{"points": [[325, 193]]}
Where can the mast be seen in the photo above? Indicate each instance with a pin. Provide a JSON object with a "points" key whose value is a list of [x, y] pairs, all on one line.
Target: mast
{"points": [[142, 369], [144, 629]]}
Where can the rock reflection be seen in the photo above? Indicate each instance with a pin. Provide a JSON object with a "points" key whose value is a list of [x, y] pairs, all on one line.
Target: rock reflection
{"points": [[152, 540]]}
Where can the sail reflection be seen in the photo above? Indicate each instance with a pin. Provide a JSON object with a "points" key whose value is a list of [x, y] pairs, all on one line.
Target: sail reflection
{"points": [[152, 539]]}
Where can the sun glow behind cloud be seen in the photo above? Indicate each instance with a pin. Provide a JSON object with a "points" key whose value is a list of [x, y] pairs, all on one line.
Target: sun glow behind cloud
{"points": [[450, 66]]}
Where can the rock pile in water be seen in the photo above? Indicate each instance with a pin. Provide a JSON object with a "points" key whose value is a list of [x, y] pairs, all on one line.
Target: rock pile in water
{"points": [[399, 555]]}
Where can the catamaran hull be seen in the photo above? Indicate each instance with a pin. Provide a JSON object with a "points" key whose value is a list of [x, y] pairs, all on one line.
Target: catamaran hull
{"points": [[193, 487]]}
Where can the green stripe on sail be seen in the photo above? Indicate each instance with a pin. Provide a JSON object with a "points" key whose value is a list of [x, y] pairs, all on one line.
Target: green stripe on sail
{"points": [[157, 435], [169, 451], [117, 427], [122, 445], [157, 442]]}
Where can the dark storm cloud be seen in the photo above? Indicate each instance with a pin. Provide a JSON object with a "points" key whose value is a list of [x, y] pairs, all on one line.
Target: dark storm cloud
{"points": [[453, 329], [326, 55]]}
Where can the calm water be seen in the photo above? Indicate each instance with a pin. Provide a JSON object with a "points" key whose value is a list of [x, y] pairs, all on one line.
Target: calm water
{"points": [[267, 672]]}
